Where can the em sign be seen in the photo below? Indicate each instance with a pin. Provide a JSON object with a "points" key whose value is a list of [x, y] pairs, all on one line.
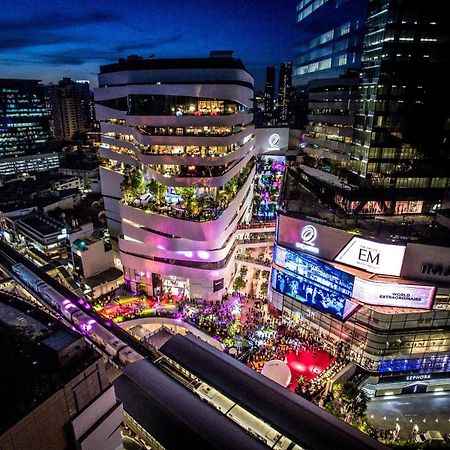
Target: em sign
{"points": [[373, 256], [308, 235]]}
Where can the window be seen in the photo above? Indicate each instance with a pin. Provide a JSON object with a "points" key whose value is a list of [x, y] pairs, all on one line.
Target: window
{"points": [[342, 60], [344, 29]]}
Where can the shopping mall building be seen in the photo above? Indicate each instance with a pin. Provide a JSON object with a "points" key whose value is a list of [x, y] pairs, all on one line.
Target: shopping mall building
{"points": [[386, 296], [186, 125]]}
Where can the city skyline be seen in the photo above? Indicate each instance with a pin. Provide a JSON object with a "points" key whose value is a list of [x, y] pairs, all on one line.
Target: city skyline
{"points": [[48, 40], [225, 225]]}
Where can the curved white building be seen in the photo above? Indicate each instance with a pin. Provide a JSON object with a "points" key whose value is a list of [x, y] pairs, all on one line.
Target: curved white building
{"points": [[185, 124]]}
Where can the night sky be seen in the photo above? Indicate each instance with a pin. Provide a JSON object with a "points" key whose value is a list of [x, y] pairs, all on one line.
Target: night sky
{"points": [[49, 39]]}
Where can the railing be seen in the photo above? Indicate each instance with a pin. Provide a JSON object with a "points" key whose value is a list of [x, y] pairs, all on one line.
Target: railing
{"points": [[253, 225], [204, 213]]}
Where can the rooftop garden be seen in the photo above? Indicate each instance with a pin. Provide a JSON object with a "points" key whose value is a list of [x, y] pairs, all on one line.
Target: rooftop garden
{"points": [[200, 204]]}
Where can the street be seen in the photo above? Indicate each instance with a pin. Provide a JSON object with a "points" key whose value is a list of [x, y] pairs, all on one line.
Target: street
{"points": [[429, 411]]}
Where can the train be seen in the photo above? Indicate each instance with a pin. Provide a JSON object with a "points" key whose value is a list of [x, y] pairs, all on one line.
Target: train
{"points": [[246, 420], [87, 325]]}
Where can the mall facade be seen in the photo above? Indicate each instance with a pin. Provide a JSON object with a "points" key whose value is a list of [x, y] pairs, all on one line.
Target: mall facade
{"points": [[385, 300], [178, 163]]}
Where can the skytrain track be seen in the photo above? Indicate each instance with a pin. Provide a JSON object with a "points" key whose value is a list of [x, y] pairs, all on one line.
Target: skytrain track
{"points": [[10, 257]]}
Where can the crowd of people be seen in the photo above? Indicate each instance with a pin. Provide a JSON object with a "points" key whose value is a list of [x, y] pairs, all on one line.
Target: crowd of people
{"points": [[265, 334], [276, 339], [311, 389]]}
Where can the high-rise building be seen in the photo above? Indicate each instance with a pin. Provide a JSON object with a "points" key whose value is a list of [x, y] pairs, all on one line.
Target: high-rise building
{"points": [[24, 121], [70, 111], [177, 169], [331, 105], [397, 158], [269, 92], [329, 39], [284, 92], [401, 142], [87, 100], [362, 248]]}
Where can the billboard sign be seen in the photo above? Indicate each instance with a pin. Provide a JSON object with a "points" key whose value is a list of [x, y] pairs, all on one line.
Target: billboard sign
{"points": [[314, 269], [391, 294], [373, 256], [427, 262], [313, 294], [271, 140], [310, 237], [313, 282]]}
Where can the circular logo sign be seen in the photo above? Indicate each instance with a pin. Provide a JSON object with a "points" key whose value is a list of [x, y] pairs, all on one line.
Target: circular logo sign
{"points": [[274, 140], [308, 234]]}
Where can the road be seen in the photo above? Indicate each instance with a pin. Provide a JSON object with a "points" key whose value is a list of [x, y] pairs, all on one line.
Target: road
{"points": [[420, 409]]}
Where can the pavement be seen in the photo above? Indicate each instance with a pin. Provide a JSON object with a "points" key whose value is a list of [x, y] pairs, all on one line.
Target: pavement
{"points": [[430, 411]]}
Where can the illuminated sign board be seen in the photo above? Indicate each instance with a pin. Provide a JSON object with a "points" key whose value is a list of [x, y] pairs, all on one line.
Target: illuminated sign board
{"points": [[274, 141], [309, 237], [373, 256], [313, 294], [313, 282], [422, 376], [427, 262], [390, 294]]}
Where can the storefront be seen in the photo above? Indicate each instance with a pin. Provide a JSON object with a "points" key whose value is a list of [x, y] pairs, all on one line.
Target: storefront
{"points": [[351, 289]]}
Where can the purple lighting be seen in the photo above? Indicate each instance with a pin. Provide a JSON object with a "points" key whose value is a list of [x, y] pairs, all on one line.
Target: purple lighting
{"points": [[203, 254]]}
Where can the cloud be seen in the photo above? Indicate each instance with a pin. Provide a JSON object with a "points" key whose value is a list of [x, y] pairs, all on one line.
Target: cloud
{"points": [[51, 29], [15, 43], [76, 57], [149, 44], [56, 21]]}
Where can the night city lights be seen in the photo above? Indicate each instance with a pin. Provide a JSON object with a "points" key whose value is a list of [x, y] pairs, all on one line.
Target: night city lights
{"points": [[224, 225]]}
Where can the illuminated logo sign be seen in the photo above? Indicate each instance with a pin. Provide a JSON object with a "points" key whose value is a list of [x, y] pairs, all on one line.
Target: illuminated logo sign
{"points": [[425, 376], [308, 235], [390, 294], [373, 256], [274, 140]]}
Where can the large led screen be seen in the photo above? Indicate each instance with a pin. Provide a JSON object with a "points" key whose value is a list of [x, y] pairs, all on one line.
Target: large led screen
{"points": [[315, 270], [313, 294], [392, 294], [373, 256]]}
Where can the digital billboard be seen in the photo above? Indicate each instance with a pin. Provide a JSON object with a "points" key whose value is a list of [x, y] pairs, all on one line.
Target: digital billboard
{"points": [[312, 294], [373, 256], [314, 269], [390, 294]]}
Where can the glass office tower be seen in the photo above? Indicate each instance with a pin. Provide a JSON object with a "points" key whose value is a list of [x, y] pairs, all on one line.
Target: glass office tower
{"points": [[24, 121], [401, 133], [329, 39], [387, 150]]}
